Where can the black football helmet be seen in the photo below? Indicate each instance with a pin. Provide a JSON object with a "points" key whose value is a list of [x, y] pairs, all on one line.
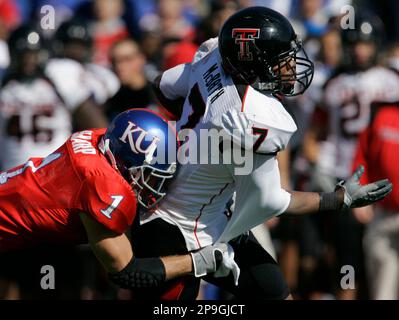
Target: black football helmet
{"points": [[28, 51], [25, 38], [368, 28], [73, 32], [256, 44]]}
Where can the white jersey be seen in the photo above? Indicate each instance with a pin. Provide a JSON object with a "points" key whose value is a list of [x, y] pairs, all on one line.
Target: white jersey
{"points": [[35, 115], [348, 98], [102, 82], [197, 198]]}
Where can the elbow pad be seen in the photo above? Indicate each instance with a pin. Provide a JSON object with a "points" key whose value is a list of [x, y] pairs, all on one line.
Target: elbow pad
{"points": [[140, 273]]}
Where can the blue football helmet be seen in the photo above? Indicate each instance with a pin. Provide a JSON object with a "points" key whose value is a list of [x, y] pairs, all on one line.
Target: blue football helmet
{"points": [[142, 146]]}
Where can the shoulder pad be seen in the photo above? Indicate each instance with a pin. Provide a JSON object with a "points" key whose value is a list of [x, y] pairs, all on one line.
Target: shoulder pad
{"points": [[263, 125], [205, 48], [68, 77], [105, 76]]}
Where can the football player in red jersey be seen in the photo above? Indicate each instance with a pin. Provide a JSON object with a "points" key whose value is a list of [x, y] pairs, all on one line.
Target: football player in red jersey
{"points": [[89, 189]]}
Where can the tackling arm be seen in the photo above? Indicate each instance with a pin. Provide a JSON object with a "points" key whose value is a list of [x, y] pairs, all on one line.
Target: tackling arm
{"points": [[171, 88], [116, 255], [89, 115]]}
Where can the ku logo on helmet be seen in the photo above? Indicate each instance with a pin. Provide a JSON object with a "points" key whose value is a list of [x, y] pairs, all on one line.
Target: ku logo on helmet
{"points": [[136, 144], [243, 36]]}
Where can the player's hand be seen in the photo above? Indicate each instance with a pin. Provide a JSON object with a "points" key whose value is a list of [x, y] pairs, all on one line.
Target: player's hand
{"points": [[356, 195], [238, 126], [228, 265], [215, 258]]}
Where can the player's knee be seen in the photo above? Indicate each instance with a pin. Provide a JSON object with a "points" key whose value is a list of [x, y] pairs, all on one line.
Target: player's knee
{"points": [[269, 282]]}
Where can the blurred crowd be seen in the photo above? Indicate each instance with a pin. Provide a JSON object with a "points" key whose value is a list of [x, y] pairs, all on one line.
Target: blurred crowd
{"points": [[99, 59]]}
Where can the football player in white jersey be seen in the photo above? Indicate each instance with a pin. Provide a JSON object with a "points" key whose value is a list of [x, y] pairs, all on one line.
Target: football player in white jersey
{"points": [[73, 40], [231, 86], [38, 102]]}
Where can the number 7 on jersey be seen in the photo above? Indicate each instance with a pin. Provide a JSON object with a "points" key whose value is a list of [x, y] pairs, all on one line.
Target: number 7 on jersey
{"points": [[262, 133]]}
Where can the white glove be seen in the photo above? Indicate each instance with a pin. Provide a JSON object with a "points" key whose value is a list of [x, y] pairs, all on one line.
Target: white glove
{"points": [[237, 125], [208, 259], [217, 259], [228, 264]]}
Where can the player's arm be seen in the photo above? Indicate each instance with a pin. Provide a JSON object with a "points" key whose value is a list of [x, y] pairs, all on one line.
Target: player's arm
{"points": [[115, 253], [89, 115], [171, 88], [348, 194], [70, 82], [284, 162], [261, 191]]}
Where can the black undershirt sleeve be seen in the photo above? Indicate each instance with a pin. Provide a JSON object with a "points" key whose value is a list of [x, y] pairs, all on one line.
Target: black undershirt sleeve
{"points": [[174, 106]]}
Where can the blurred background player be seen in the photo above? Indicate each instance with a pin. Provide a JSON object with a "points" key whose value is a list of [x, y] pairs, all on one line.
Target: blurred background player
{"points": [[73, 40], [378, 151], [348, 96], [40, 99]]}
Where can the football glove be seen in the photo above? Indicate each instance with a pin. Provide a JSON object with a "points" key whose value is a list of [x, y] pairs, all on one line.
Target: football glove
{"points": [[356, 195], [217, 259]]}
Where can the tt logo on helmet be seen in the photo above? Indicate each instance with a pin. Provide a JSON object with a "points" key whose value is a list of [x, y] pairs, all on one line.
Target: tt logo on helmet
{"points": [[135, 145], [242, 37]]}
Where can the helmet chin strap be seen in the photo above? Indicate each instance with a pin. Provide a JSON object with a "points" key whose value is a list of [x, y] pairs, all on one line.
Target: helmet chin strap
{"points": [[103, 146], [233, 71]]}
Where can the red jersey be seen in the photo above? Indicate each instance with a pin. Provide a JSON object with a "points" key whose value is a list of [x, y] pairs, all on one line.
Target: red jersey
{"points": [[378, 151], [40, 201]]}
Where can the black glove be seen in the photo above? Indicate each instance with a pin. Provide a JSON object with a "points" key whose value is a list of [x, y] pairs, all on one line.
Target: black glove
{"points": [[357, 195]]}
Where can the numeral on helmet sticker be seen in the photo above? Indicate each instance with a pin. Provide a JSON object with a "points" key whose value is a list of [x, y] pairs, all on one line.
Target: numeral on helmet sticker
{"points": [[107, 212]]}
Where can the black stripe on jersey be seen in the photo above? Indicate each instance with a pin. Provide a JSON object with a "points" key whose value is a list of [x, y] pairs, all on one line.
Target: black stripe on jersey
{"points": [[173, 106]]}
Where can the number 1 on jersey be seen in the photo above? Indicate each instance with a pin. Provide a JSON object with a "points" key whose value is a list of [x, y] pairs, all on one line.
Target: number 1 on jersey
{"points": [[107, 212]]}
